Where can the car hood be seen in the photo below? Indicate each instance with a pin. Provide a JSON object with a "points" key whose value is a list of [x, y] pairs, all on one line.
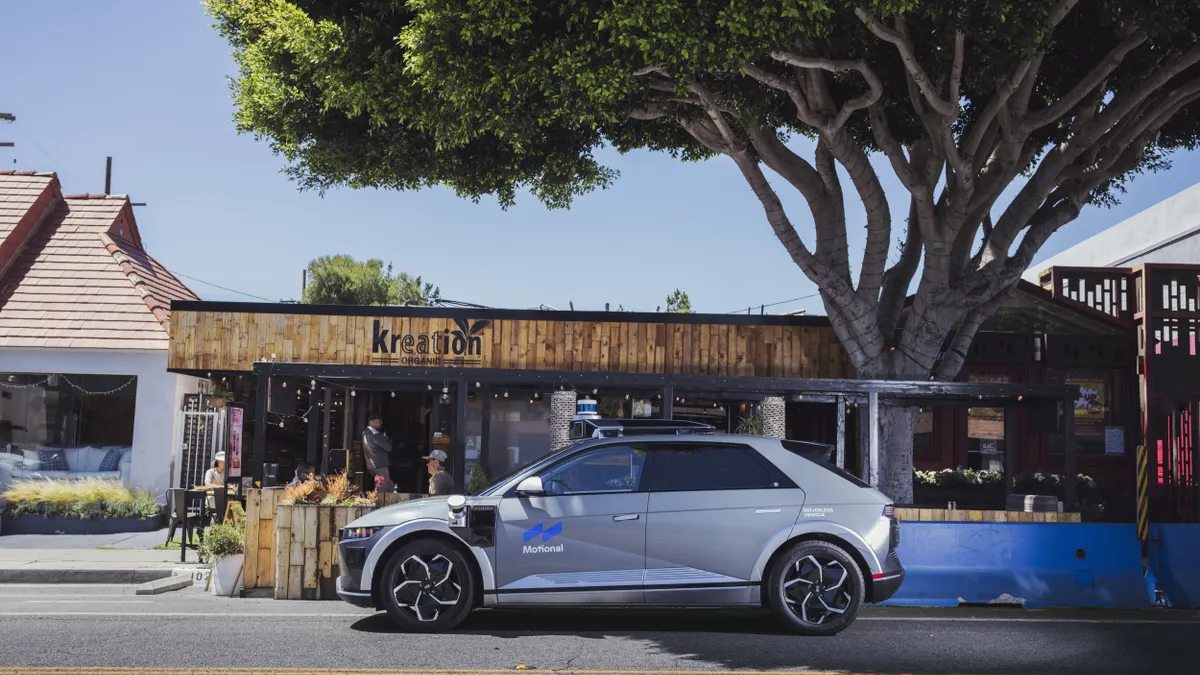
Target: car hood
{"points": [[398, 514]]}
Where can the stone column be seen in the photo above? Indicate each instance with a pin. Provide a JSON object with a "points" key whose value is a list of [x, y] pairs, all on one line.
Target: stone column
{"points": [[562, 409], [774, 417]]}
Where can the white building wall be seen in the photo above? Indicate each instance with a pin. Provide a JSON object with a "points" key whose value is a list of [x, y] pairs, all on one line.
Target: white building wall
{"points": [[159, 398], [1168, 232]]}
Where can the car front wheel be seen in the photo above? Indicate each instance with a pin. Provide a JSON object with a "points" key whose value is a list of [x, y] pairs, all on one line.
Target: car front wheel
{"points": [[428, 586], [816, 588]]}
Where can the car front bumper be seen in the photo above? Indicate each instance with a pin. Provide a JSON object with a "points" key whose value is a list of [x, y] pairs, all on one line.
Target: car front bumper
{"points": [[356, 598]]}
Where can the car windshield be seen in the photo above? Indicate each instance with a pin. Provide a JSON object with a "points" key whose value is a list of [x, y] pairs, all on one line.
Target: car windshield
{"points": [[508, 476], [818, 453]]}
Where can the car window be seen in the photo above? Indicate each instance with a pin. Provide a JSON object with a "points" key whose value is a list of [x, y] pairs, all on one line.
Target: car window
{"points": [[686, 467], [613, 468], [818, 453]]}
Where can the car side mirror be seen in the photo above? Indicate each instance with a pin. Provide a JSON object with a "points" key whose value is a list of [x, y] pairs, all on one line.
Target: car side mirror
{"points": [[530, 487]]}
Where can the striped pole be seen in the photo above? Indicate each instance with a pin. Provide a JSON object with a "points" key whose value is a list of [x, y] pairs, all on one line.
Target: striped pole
{"points": [[1143, 493]]}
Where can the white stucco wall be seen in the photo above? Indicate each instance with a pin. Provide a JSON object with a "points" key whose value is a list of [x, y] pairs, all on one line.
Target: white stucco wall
{"points": [[159, 397], [1168, 232]]}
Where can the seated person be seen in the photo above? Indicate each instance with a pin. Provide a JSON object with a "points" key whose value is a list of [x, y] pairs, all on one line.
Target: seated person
{"points": [[304, 473], [215, 477]]}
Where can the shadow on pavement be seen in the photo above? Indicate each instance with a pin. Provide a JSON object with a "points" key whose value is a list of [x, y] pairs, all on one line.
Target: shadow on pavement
{"points": [[756, 641]]}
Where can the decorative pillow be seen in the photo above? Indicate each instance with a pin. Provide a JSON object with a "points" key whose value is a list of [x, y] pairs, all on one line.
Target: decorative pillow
{"points": [[111, 461], [52, 459]]}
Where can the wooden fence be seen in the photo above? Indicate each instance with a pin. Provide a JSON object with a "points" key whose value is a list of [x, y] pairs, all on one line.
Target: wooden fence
{"points": [[263, 568], [978, 516]]}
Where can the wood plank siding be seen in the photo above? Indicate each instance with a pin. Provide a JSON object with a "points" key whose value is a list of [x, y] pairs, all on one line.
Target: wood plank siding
{"points": [[215, 340]]}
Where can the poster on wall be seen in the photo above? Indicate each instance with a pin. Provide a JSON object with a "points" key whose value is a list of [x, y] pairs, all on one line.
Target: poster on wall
{"points": [[642, 408], [1091, 406], [235, 442], [986, 422]]}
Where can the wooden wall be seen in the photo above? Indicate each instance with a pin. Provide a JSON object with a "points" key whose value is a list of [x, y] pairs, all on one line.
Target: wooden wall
{"points": [[212, 340]]}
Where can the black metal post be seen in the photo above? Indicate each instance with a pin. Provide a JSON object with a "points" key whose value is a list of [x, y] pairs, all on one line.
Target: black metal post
{"points": [[668, 402], [840, 402], [485, 430], [326, 419], [459, 460], [313, 419], [1010, 448], [1069, 450], [261, 394]]}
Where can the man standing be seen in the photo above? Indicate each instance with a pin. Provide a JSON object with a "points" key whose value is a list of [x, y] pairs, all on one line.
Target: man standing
{"points": [[377, 450], [441, 483]]}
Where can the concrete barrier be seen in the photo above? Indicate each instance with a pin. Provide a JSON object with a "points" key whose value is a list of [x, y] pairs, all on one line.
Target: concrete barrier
{"points": [[1034, 565], [1175, 560]]}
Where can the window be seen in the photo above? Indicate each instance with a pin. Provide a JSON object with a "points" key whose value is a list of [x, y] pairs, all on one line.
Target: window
{"points": [[66, 411], [818, 453], [687, 467], [608, 469]]}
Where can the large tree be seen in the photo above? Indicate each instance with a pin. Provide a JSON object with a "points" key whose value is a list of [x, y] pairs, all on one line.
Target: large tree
{"points": [[342, 280], [1061, 99]]}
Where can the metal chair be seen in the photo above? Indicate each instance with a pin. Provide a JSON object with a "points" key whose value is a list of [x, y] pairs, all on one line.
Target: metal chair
{"points": [[220, 505], [185, 508]]}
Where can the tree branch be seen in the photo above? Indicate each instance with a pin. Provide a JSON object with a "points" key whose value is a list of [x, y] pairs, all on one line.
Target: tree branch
{"points": [[792, 167], [897, 279], [875, 86], [911, 65], [803, 110], [1085, 86], [882, 132], [956, 353]]}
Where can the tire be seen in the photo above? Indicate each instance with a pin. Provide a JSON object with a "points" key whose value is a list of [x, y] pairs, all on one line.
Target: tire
{"points": [[813, 565], [428, 586]]}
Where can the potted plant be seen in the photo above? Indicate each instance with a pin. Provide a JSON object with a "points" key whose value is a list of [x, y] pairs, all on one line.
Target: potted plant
{"points": [[224, 548], [219, 397]]}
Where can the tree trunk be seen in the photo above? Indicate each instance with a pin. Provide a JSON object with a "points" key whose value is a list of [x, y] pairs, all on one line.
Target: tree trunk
{"points": [[896, 452]]}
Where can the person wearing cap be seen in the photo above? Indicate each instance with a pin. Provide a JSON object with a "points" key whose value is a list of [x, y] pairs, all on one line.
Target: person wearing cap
{"points": [[215, 476], [377, 450], [441, 483]]}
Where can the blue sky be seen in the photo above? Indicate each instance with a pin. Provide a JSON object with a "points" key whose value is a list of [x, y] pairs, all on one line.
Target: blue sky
{"points": [[146, 82]]}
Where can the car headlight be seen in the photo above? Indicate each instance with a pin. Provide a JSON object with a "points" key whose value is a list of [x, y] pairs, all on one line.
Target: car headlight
{"points": [[351, 533]]}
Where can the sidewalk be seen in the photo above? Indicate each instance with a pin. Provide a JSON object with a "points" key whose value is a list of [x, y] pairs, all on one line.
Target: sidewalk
{"points": [[92, 559]]}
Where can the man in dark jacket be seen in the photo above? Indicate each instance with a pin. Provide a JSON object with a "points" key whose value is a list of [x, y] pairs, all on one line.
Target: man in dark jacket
{"points": [[377, 451]]}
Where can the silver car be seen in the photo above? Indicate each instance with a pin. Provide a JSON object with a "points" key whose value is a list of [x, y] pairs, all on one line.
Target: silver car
{"points": [[637, 521]]}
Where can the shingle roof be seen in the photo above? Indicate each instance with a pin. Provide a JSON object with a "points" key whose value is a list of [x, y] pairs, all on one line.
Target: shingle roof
{"points": [[83, 280]]}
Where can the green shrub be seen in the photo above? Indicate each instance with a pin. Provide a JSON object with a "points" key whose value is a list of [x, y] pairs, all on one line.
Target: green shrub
{"points": [[478, 480], [222, 541], [88, 498]]}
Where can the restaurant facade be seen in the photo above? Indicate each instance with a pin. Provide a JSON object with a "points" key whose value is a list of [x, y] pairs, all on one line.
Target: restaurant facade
{"points": [[496, 389]]}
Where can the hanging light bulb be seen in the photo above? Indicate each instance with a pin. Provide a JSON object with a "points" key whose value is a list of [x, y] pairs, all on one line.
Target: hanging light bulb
{"points": [[353, 393], [393, 394], [312, 383], [506, 394], [477, 385], [594, 392], [280, 424], [445, 390], [305, 420], [284, 385], [626, 397]]}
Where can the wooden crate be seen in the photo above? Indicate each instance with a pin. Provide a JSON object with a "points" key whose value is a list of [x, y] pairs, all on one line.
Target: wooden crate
{"points": [[260, 538], [306, 536], [980, 516]]}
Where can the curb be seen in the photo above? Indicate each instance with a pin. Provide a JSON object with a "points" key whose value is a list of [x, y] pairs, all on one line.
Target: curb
{"points": [[84, 576]]}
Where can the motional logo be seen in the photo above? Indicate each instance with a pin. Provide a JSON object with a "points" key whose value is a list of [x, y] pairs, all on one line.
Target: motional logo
{"points": [[546, 533]]}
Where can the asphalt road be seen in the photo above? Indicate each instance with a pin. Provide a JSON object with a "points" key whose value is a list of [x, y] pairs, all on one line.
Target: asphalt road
{"points": [[59, 629]]}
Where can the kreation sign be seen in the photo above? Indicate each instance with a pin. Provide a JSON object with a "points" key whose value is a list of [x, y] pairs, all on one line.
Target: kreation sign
{"points": [[457, 347]]}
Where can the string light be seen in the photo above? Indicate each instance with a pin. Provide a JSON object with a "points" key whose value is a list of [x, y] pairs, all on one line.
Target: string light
{"points": [[393, 394], [353, 393]]}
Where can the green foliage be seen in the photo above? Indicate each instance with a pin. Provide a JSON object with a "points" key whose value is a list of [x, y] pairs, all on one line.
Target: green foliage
{"points": [[342, 280], [88, 498], [960, 477], [610, 406], [679, 303], [477, 480], [751, 425], [491, 96], [221, 541]]}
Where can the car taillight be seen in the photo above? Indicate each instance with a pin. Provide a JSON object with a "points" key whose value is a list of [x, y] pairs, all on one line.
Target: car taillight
{"points": [[889, 511]]}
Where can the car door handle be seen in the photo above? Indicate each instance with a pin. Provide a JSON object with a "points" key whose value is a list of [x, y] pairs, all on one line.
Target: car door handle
{"points": [[628, 516]]}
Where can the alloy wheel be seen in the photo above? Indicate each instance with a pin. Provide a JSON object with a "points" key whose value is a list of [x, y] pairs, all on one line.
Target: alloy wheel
{"points": [[817, 588], [427, 585]]}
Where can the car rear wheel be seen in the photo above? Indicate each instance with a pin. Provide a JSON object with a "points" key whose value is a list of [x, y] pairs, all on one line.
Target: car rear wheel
{"points": [[428, 586], [816, 588]]}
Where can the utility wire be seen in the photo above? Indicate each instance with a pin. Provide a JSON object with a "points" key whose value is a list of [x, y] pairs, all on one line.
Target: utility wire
{"points": [[773, 304], [224, 288], [53, 161]]}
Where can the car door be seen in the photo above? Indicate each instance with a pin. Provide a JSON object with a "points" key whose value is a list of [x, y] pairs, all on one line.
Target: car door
{"points": [[713, 510], [584, 540]]}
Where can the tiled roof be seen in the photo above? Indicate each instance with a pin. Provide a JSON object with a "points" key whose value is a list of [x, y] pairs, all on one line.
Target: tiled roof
{"points": [[83, 281]]}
